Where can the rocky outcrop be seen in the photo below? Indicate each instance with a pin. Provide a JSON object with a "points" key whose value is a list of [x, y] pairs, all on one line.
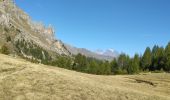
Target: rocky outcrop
{"points": [[4, 19], [12, 17]]}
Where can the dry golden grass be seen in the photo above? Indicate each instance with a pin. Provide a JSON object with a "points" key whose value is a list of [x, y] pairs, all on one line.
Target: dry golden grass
{"points": [[22, 80]]}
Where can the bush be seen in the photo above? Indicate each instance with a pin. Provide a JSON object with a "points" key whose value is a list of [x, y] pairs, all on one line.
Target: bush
{"points": [[8, 38], [4, 50]]}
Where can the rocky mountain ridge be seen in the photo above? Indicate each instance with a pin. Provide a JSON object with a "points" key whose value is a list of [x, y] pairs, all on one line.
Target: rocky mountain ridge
{"points": [[102, 56], [18, 25]]}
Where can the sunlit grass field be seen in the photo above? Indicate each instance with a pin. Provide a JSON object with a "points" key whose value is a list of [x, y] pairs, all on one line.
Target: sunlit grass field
{"points": [[22, 80]]}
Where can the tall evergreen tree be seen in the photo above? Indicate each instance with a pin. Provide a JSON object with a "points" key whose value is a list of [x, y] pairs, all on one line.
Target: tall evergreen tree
{"points": [[114, 66], [93, 67], [167, 57], [137, 63], [146, 59], [107, 68], [134, 65], [157, 58], [123, 61], [80, 62]]}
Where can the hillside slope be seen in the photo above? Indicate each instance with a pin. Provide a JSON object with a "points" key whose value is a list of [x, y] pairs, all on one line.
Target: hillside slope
{"points": [[22, 80]]}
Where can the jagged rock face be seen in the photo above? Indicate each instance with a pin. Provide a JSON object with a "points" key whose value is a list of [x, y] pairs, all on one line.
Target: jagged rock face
{"points": [[12, 16], [4, 19]]}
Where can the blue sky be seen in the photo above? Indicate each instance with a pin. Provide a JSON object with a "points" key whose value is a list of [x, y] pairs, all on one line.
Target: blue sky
{"points": [[125, 25]]}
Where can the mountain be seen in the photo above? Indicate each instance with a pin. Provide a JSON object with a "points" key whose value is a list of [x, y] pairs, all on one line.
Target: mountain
{"points": [[108, 52], [108, 55], [27, 37], [33, 39]]}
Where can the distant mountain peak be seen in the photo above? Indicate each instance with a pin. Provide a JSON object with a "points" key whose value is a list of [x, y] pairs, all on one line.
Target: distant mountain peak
{"points": [[98, 54], [112, 50], [108, 52]]}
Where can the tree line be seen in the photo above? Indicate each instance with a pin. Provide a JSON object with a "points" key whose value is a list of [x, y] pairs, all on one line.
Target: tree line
{"points": [[38, 54], [155, 59]]}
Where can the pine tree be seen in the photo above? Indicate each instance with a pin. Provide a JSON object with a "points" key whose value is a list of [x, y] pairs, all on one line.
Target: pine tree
{"points": [[146, 59], [123, 63], [80, 62], [114, 66], [161, 58], [167, 57], [134, 65], [107, 68], [93, 67], [157, 58]]}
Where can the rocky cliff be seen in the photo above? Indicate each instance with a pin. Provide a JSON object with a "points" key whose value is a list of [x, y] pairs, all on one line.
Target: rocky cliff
{"points": [[17, 25]]}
